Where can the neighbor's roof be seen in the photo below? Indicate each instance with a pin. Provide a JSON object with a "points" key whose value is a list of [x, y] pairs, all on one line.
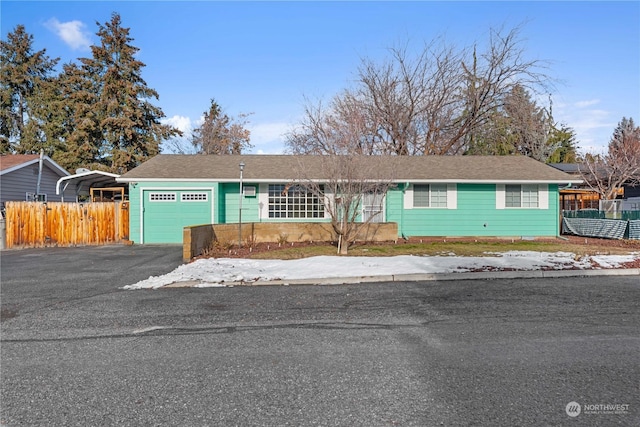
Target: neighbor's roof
{"points": [[12, 162], [279, 168], [571, 168]]}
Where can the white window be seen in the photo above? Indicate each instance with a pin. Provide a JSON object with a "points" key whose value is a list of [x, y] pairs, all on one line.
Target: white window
{"points": [[529, 196], [293, 201], [194, 197], [430, 196], [521, 196], [162, 197]]}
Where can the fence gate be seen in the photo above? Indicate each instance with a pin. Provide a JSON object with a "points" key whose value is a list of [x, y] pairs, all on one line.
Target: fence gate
{"points": [[37, 224]]}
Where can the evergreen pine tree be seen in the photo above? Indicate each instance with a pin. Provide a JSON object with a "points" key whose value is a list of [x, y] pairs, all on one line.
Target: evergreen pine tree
{"points": [[115, 122], [25, 82], [565, 139], [220, 134], [81, 119]]}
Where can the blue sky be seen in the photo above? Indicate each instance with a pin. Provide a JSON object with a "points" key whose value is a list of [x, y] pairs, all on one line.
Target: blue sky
{"points": [[265, 57]]}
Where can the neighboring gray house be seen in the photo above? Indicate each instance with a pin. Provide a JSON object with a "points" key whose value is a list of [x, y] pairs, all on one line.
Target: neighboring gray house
{"points": [[19, 178]]}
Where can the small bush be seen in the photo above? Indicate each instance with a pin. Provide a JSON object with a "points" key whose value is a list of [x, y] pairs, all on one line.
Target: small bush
{"points": [[283, 238]]}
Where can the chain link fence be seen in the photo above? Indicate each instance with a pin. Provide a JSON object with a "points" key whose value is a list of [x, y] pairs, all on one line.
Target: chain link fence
{"points": [[608, 224]]}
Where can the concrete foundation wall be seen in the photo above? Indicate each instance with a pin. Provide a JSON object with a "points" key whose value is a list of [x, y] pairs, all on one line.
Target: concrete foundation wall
{"points": [[198, 238]]}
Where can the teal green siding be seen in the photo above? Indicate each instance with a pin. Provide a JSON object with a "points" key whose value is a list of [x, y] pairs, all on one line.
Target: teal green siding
{"points": [[476, 215], [134, 213], [228, 204], [163, 221]]}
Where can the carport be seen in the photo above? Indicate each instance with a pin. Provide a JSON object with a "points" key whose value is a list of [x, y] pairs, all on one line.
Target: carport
{"points": [[84, 180]]}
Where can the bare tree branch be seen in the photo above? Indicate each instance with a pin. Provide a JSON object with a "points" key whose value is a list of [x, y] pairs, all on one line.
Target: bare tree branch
{"points": [[428, 103], [352, 191], [621, 165]]}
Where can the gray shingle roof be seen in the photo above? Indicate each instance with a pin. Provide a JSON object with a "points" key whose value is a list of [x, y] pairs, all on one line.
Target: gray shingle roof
{"points": [[166, 167]]}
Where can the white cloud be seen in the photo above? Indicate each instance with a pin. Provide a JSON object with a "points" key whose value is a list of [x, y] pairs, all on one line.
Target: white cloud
{"points": [[73, 33], [593, 126], [267, 132], [269, 138], [593, 129], [199, 122], [180, 144], [583, 104], [181, 122], [591, 119]]}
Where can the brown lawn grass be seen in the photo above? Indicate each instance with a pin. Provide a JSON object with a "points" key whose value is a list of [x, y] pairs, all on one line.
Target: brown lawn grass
{"points": [[460, 247]]}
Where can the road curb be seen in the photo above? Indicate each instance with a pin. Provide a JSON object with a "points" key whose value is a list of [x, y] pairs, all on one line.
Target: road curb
{"points": [[429, 277]]}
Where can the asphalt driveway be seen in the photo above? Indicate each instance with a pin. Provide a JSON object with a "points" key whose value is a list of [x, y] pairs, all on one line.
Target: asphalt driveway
{"points": [[62, 274]]}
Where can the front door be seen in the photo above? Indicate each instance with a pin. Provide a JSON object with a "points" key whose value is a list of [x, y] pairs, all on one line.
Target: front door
{"points": [[372, 207]]}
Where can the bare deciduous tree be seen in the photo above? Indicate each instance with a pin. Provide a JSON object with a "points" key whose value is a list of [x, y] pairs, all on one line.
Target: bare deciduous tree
{"points": [[352, 191], [431, 103], [354, 181], [606, 174], [340, 128], [412, 102]]}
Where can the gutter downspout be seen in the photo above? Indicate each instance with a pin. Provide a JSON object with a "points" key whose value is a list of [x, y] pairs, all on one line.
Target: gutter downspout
{"points": [[404, 190], [39, 172], [560, 209]]}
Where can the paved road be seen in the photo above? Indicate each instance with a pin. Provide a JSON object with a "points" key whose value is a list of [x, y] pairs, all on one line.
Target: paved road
{"points": [[77, 350]]}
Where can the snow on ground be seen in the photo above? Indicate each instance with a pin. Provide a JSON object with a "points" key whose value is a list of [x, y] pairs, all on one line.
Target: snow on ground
{"points": [[220, 271]]}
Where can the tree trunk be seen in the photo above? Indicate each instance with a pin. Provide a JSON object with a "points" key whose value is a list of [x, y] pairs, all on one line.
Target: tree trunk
{"points": [[343, 246]]}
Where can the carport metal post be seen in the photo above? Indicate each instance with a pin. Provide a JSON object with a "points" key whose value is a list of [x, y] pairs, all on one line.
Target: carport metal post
{"points": [[240, 208]]}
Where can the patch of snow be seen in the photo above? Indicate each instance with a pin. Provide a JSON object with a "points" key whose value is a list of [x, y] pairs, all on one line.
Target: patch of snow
{"points": [[216, 272], [614, 261]]}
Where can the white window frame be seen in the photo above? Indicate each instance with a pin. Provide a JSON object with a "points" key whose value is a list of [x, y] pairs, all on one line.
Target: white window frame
{"points": [[163, 197], [452, 196], [433, 192], [373, 207], [265, 200], [529, 197], [542, 191], [194, 197]]}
